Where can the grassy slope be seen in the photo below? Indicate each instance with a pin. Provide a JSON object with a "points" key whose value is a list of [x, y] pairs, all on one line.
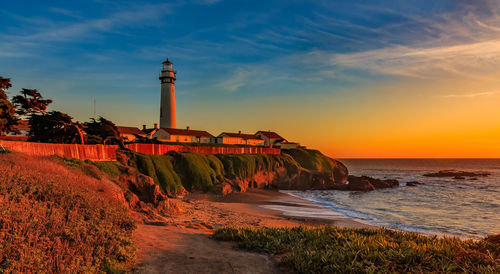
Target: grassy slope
{"points": [[311, 159], [56, 219], [195, 171], [346, 250]]}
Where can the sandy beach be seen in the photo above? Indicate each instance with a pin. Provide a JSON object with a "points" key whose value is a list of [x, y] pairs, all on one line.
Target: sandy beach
{"points": [[182, 244]]}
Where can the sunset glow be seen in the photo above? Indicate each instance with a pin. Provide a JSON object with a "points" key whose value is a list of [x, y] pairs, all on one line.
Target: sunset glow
{"points": [[385, 80]]}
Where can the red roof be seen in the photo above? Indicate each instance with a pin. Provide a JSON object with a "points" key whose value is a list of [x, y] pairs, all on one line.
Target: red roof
{"points": [[149, 130], [188, 132], [241, 135], [270, 134], [129, 130]]}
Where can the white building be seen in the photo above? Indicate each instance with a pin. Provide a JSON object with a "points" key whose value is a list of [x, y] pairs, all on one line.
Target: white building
{"points": [[239, 139], [183, 135], [270, 138], [130, 134]]}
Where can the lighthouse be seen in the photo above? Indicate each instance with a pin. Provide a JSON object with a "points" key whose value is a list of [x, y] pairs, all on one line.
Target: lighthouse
{"points": [[167, 103]]}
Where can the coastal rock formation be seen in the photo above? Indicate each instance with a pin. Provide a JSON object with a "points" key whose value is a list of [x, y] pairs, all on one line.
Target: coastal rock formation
{"points": [[457, 173], [413, 183], [365, 183], [144, 193], [294, 169]]}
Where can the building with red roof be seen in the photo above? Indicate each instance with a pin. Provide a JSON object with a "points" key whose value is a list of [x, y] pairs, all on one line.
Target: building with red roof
{"points": [[239, 139], [130, 134], [186, 135], [270, 138]]}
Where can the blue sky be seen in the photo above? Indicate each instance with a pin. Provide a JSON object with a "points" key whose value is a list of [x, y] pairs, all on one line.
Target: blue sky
{"points": [[267, 64]]}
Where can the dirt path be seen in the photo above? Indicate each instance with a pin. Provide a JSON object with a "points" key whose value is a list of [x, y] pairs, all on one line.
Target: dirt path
{"points": [[182, 243], [169, 249]]}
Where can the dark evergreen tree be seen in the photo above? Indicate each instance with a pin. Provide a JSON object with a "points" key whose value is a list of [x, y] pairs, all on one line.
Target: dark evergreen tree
{"points": [[55, 127], [102, 131], [8, 117], [30, 101]]}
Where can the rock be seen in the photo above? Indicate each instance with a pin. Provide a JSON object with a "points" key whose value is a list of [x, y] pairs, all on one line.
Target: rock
{"points": [[413, 183], [359, 184], [366, 183], [340, 174], [459, 178], [141, 185], [223, 188], [455, 173]]}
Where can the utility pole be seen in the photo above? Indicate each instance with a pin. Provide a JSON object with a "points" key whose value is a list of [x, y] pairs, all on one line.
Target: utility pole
{"points": [[95, 112]]}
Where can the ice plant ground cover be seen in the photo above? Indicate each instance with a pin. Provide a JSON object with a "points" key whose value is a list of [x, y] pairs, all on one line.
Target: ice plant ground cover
{"points": [[330, 249], [54, 218]]}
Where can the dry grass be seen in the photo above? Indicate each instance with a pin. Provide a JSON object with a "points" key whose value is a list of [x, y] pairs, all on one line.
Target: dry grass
{"points": [[57, 219]]}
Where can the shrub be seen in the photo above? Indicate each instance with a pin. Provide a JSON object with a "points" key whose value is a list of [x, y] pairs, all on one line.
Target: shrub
{"points": [[347, 250], [54, 219], [311, 159], [108, 167], [158, 167], [198, 171]]}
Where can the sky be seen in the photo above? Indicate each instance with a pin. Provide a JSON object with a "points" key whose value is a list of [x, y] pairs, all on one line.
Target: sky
{"points": [[355, 79]]}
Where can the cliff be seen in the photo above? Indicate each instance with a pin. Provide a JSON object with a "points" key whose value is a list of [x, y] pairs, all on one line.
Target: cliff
{"points": [[293, 169]]}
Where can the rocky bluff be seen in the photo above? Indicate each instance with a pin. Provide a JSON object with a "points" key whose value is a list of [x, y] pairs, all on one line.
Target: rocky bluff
{"points": [[294, 169]]}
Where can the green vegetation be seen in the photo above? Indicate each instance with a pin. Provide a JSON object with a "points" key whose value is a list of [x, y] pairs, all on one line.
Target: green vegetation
{"points": [[198, 171], [346, 250], [311, 159], [158, 167], [54, 220], [108, 167], [245, 165]]}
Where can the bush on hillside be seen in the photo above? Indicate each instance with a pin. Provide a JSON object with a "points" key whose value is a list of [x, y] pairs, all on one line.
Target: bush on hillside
{"points": [[198, 171], [55, 219], [245, 165], [158, 167], [347, 250], [311, 159]]}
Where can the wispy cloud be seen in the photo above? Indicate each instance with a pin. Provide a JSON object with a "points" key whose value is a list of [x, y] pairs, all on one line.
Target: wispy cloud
{"points": [[239, 78], [471, 95], [80, 29], [467, 60]]}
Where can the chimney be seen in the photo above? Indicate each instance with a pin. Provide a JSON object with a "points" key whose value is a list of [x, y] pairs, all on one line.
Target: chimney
{"points": [[156, 125], [187, 128], [143, 127]]}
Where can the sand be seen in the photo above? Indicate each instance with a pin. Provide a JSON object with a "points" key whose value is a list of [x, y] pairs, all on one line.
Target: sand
{"points": [[182, 243]]}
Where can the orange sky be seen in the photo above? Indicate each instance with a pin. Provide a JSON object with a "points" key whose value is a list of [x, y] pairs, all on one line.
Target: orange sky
{"points": [[453, 118]]}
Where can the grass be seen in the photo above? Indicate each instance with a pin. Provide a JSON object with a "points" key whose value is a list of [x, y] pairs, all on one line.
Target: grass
{"points": [[198, 171], [108, 167], [158, 167], [57, 219], [347, 250], [245, 165], [311, 159]]}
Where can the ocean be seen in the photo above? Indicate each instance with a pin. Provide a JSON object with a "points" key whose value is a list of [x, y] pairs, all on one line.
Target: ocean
{"points": [[442, 206]]}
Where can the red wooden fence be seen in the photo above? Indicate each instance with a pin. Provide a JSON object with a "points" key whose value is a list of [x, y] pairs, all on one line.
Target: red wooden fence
{"points": [[159, 149], [108, 152], [82, 152]]}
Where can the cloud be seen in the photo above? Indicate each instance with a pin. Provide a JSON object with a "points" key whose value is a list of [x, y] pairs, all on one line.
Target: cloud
{"points": [[240, 77], [82, 28], [467, 60], [470, 95]]}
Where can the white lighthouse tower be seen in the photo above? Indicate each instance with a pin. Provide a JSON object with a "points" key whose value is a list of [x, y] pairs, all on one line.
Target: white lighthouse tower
{"points": [[167, 107]]}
